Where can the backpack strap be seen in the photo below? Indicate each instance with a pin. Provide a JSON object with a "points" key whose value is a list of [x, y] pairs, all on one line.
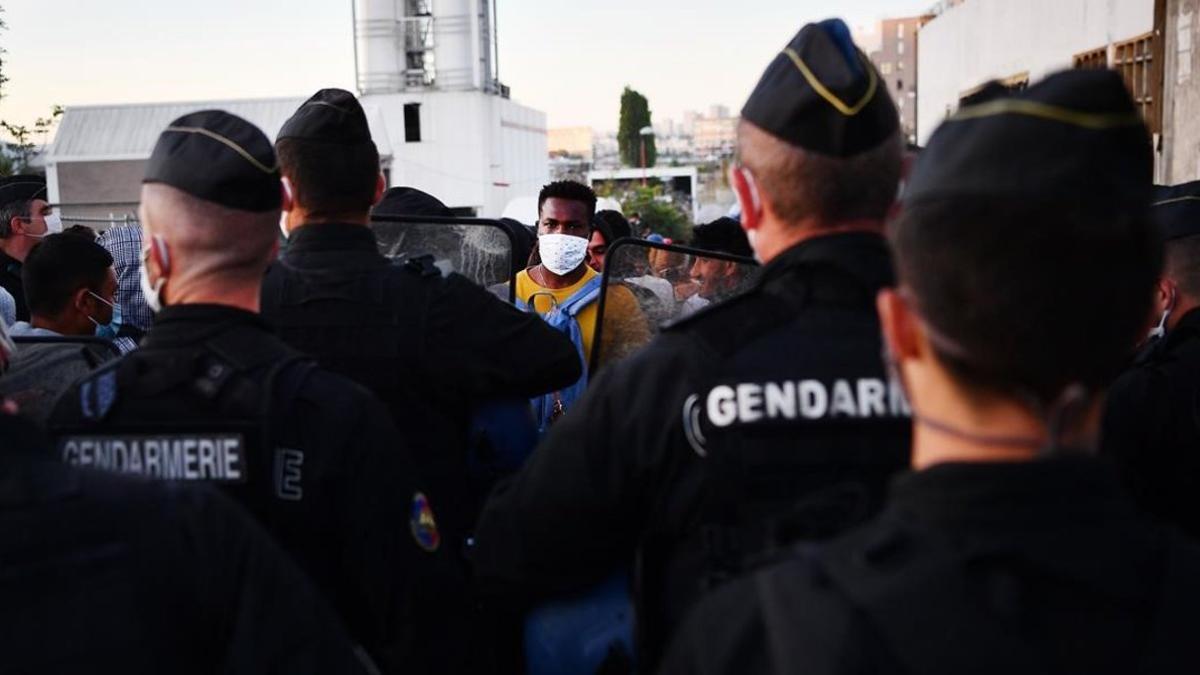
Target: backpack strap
{"points": [[583, 297], [912, 585]]}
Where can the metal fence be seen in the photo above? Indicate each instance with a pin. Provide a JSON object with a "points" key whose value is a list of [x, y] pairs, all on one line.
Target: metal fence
{"points": [[99, 224]]}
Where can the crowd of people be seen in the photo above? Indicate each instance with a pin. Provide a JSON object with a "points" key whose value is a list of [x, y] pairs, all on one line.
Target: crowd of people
{"points": [[946, 422]]}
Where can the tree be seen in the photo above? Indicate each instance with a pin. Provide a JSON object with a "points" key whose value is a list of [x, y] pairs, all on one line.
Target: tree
{"points": [[16, 157], [658, 210], [635, 115]]}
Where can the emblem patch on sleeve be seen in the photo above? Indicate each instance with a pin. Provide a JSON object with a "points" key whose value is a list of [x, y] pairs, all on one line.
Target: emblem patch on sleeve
{"points": [[424, 526]]}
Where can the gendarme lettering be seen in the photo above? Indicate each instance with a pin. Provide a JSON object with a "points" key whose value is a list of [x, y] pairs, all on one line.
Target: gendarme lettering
{"points": [[216, 458]]}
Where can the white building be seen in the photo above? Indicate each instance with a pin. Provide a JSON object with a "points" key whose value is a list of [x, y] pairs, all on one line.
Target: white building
{"points": [[442, 121], [1018, 42]]}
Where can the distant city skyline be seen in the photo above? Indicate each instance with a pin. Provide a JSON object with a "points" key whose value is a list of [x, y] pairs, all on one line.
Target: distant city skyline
{"points": [[569, 59]]}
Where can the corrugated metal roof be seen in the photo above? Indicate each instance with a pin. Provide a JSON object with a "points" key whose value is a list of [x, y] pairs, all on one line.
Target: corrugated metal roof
{"points": [[110, 132]]}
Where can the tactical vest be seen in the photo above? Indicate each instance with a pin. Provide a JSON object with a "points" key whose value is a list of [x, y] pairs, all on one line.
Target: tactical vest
{"points": [[799, 429], [217, 414]]}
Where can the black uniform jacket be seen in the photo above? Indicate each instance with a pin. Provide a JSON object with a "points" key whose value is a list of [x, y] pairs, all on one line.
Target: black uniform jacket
{"points": [[1152, 426], [10, 280], [771, 406], [328, 475], [1039, 567], [104, 574], [430, 347]]}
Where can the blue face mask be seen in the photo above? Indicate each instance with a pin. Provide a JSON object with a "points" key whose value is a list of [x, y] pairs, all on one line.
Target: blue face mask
{"points": [[108, 330]]}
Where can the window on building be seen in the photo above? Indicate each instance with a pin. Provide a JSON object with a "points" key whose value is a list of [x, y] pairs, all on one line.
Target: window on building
{"points": [[1094, 59], [900, 48], [899, 85], [1134, 59], [412, 122], [885, 69], [899, 65], [899, 31]]}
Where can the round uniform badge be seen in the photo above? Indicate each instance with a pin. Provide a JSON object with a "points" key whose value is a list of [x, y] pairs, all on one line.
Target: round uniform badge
{"points": [[423, 525]]}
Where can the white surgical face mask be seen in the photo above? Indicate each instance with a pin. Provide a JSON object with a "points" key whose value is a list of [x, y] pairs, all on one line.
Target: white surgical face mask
{"points": [[53, 226], [562, 253], [153, 292], [1160, 330]]}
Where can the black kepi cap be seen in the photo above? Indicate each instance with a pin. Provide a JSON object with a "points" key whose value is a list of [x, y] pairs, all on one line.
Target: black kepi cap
{"points": [[1176, 209], [330, 116], [408, 201], [21, 188], [1074, 137], [822, 94], [724, 235], [220, 158]]}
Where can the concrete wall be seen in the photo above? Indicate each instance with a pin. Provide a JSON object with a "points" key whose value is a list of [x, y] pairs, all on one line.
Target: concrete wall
{"points": [[96, 189], [995, 39], [476, 151], [1180, 158]]}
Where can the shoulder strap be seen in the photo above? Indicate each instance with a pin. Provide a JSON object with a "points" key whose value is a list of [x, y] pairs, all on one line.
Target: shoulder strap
{"points": [[927, 581], [583, 297]]}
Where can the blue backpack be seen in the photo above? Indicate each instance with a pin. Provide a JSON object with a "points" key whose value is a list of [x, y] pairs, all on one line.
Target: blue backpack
{"points": [[548, 407]]}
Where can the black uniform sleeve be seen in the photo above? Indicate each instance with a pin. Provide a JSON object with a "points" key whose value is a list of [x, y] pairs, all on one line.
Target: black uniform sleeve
{"points": [[378, 551], [490, 348], [1137, 418], [273, 618], [574, 514]]}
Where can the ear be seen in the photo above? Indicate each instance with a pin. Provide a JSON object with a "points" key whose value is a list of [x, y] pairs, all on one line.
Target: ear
{"points": [[1167, 295], [901, 330], [81, 301], [17, 225], [380, 188], [747, 195], [159, 258]]}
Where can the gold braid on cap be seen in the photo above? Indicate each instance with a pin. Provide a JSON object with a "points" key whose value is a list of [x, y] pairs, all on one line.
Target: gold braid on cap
{"points": [[825, 93], [1046, 111], [233, 146]]}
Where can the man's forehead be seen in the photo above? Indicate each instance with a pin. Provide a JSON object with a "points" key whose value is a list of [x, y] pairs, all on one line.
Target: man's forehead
{"points": [[564, 209]]}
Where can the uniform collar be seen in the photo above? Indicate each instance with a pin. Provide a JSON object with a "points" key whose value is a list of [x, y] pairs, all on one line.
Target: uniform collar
{"points": [[180, 325], [1016, 496], [322, 237], [864, 255], [8, 262], [1188, 326]]}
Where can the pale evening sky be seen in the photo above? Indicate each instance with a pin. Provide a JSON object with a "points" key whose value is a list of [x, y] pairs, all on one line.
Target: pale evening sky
{"points": [[569, 58]]}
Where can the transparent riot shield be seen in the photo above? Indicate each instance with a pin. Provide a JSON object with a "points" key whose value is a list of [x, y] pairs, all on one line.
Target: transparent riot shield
{"points": [[481, 250], [649, 285]]}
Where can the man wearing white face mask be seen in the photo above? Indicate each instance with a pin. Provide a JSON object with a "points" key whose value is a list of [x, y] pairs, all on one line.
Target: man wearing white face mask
{"points": [[563, 279], [25, 217]]}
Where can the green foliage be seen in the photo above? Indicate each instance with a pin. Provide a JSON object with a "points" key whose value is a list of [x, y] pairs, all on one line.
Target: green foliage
{"points": [[635, 114], [662, 214]]}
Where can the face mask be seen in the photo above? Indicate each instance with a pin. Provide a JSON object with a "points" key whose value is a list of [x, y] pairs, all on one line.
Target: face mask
{"points": [[562, 253], [107, 330], [53, 226], [153, 292], [287, 188]]}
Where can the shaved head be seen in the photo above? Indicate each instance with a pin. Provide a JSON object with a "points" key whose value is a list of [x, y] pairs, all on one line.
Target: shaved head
{"points": [[208, 240], [802, 184]]}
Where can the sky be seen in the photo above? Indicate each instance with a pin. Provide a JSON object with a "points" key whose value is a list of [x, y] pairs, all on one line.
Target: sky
{"points": [[569, 58]]}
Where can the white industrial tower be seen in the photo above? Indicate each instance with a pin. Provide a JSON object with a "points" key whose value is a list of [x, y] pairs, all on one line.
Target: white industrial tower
{"points": [[428, 70]]}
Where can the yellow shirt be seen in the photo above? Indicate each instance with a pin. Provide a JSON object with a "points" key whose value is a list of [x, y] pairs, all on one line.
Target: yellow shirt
{"points": [[626, 327]]}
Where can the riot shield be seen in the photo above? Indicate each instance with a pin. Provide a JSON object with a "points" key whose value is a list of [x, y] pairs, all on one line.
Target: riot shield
{"points": [[481, 250], [648, 285]]}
